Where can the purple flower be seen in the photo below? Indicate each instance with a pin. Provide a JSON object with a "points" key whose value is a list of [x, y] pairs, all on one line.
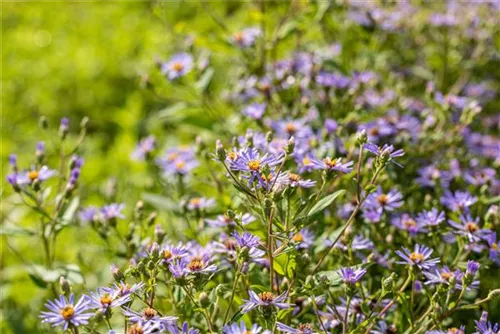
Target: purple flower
{"points": [[301, 329], [29, 177], [184, 329], [234, 328], [246, 37], [177, 161], [249, 161], [88, 215], [306, 163], [13, 161], [246, 239], [143, 327], [67, 313], [40, 149], [178, 66], [192, 265], [105, 298], [330, 164], [458, 201], [304, 238], [335, 80], [469, 227], [433, 217], [294, 180], [351, 276], [200, 203], [171, 253], [493, 245], [124, 289], [472, 268], [385, 201], [225, 221], [486, 327], [407, 223], [419, 257], [151, 317], [386, 150], [112, 211], [443, 276], [292, 127], [264, 299], [255, 110], [144, 148], [480, 177], [431, 176]]}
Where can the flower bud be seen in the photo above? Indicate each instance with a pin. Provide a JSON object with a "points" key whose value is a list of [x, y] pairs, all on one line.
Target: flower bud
{"points": [[200, 144], [65, 287], [40, 151], [269, 136], [159, 233], [44, 124], [220, 152], [290, 146], [151, 218], [64, 127], [84, 122], [388, 283], [204, 300], [154, 251], [361, 137], [117, 273]]}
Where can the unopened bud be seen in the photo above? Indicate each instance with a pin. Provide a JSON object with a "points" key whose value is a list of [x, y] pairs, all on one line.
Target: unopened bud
{"points": [[84, 122], [361, 137], [117, 273], [159, 234], [65, 287], [44, 124], [220, 152], [151, 218], [204, 300], [64, 127], [290, 146], [269, 136]]}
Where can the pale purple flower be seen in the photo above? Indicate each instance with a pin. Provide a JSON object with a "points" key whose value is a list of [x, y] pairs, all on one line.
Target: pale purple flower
{"points": [[351, 276], [66, 313], [255, 110], [177, 161], [178, 66], [234, 328], [330, 164], [264, 299], [35, 175], [301, 329], [105, 298], [112, 211], [420, 257], [431, 176], [385, 201], [443, 276], [246, 37], [304, 238], [251, 162], [200, 203], [486, 327], [385, 150], [493, 244], [225, 221], [150, 316], [88, 215], [184, 329], [433, 217], [468, 227], [144, 148], [407, 223], [458, 201]]}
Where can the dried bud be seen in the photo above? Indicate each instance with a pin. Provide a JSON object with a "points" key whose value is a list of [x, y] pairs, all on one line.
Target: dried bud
{"points": [[65, 287], [151, 218], [220, 152]]}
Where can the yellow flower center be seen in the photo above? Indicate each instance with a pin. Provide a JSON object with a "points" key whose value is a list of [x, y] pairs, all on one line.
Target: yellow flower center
{"points": [[447, 275], [298, 237], [135, 329], [67, 312], [416, 257], [177, 66], [33, 175], [179, 164], [494, 246], [290, 128], [267, 178], [331, 162], [172, 156], [306, 161], [305, 327], [106, 300], [266, 296], [254, 165], [232, 155], [293, 177], [409, 223], [471, 227], [195, 201], [195, 265], [167, 255], [238, 36]]}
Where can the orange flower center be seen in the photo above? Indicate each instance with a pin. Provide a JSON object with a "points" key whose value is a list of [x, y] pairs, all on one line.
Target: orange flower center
{"points": [[195, 201], [177, 66], [232, 155], [331, 162], [254, 165], [238, 37], [409, 223], [167, 255], [416, 257], [471, 227], [494, 246], [179, 164], [266, 296], [195, 265], [447, 275], [305, 327], [33, 175], [106, 300], [298, 237], [135, 329], [149, 313], [67, 312], [290, 128], [293, 177], [382, 199]]}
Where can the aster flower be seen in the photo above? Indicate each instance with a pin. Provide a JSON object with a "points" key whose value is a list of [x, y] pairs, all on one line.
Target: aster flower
{"points": [[105, 298], [143, 327], [407, 223], [493, 244], [200, 203], [420, 257], [486, 327], [480, 177], [351, 276], [151, 317], [431, 176], [301, 329], [291, 127], [335, 80], [171, 253], [264, 299], [178, 66], [359, 242], [385, 201], [246, 37], [124, 289], [177, 161], [304, 238], [332, 318], [34, 175], [468, 227], [254, 110], [385, 150], [295, 181], [383, 328], [144, 148], [433, 217], [184, 329], [250, 162], [234, 328], [112, 211], [225, 221], [443, 276], [66, 313], [192, 265], [330, 164], [88, 215], [458, 201], [306, 163]]}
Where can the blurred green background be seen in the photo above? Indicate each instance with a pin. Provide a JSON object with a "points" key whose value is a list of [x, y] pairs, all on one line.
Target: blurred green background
{"points": [[92, 59]]}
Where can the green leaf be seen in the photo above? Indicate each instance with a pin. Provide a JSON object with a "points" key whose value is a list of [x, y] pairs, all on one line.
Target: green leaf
{"points": [[69, 214], [324, 203], [285, 264], [158, 201], [13, 230], [205, 80]]}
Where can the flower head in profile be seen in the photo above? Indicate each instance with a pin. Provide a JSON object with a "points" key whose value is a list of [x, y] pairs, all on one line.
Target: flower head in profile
{"points": [[486, 327], [150, 316], [185, 329], [112, 211], [177, 161], [300, 329], [459, 201], [225, 220], [234, 328], [88, 214], [178, 66], [469, 227], [444, 276], [351, 276], [144, 148], [386, 151], [295, 181], [66, 313], [124, 289], [200, 203], [433, 217], [494, 246], [303, 238], [420, 257], [331, 164], [406, 223], [264, 299], [246, 37]]}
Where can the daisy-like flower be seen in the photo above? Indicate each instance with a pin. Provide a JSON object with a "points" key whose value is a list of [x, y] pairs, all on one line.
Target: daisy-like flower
{"points": [[197, 264], [106, 298], [249, 161], [295, 181], [494, 246], [254, 110], [351, 276], [359, 242], [433, 217], [406, 223], [151, 317], [171, 253], [124, 289], [291, 127], [246, 37], [385, 201], [144, 148], [88, 215], [303, 238], [251, 242], [486, 327], [177, 161], [184, 329], [66, 313], [469, 227], [112, 211], [385, 151], [34, 175], [200, 203], [306, 163], [420, 257], [178, 66], [234, 328], [143, 327], [431, 176], [480, 177], [301, 329], [330, 164], [264, 299], [458, 201], [225, 221], [443, 276]]}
